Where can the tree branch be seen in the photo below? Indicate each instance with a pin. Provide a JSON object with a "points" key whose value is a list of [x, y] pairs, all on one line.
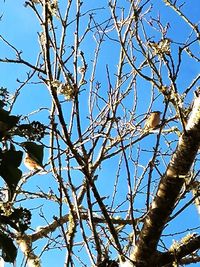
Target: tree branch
{"points": [[168, 190], [179, 251]]}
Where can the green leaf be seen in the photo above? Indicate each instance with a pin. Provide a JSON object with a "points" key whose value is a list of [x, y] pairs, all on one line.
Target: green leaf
{"points": [[9, 251], [10, 161], [11, 176], [7, 122], [12, 157]]}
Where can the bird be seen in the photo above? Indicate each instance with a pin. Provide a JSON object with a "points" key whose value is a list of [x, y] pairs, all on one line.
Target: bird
{"points": [[32, 163], [152, 121], [36, 1]]}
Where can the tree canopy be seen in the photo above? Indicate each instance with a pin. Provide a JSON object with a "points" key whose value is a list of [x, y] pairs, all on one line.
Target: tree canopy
{"points": [[102, 101]]}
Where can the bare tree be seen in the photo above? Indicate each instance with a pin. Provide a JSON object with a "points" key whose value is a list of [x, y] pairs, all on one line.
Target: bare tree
{"points": [[120, 178]]}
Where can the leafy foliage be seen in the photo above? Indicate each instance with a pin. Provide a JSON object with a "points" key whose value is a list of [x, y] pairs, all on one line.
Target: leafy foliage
{"points": [[33, 131], [18, 218], [9, 251], [9, 171], [10, 160], [7, 122]]}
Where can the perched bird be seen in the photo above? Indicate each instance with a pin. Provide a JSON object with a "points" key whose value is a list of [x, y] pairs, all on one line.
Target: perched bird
{"points": [[32, 163], [152, 121], [36, 1]]}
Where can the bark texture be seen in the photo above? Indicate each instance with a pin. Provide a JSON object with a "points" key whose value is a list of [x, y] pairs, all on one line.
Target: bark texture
{"points": [[145, 252]]}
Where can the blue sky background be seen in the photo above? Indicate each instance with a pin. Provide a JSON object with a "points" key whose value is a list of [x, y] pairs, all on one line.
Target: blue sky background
{"points": [[19, 26]]}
